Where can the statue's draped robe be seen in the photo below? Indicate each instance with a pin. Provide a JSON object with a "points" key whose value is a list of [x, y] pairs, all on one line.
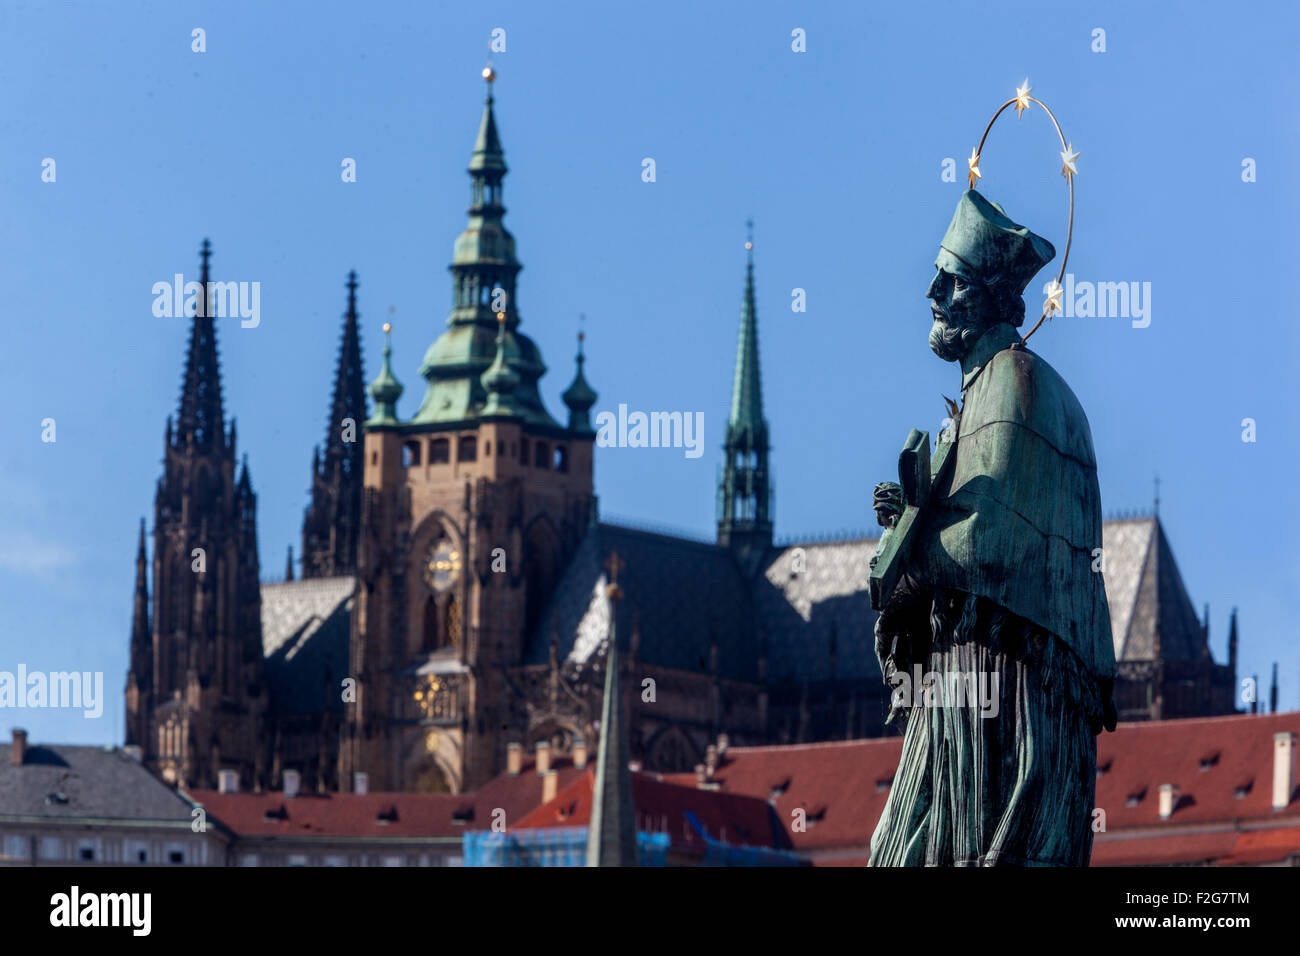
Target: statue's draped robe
{"points": [[1004, 592]]}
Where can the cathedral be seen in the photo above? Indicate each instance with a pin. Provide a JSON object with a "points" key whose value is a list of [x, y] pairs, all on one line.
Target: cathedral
{"points": [[453, 604]]}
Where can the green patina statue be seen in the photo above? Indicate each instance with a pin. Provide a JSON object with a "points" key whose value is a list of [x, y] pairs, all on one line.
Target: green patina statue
{"points": [[989, 588]]}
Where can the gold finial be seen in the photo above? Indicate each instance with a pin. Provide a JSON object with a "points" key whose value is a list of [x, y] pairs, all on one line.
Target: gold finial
{"points": [[388, 327], [489, 74], [614, 564], [501, 317]]}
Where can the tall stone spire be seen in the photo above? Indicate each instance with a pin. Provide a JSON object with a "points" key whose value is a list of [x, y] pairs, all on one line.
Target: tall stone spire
{"points": [[611, 834], [332, 524], [195, 700], [141, 636], [744, 491], [200, 420]]}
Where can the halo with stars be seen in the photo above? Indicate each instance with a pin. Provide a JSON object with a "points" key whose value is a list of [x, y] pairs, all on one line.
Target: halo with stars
{"points": [[1069, 157]]}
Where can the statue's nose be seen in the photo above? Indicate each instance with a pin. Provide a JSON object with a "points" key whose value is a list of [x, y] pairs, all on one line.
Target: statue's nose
{"points": [[933, 291]]}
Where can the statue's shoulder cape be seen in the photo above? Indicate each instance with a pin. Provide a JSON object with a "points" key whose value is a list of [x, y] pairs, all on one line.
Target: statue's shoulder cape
{"points": [[1017, 517]]}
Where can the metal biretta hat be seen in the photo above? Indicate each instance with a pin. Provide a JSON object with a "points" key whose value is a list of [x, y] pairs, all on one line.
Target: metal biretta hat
{"points": [[981, 242]]}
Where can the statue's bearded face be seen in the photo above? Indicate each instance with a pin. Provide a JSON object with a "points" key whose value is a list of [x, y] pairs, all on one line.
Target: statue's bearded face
{"points": [[962, 309]]}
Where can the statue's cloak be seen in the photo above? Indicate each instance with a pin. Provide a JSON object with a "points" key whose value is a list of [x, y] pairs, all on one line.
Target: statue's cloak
{"points": [[1017, 517]]}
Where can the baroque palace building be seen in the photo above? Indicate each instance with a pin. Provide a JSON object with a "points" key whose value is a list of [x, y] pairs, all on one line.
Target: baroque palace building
{"points": [[453, 601]]}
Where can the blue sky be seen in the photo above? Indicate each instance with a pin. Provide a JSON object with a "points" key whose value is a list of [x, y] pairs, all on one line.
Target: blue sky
{"points": [[835, 152]]}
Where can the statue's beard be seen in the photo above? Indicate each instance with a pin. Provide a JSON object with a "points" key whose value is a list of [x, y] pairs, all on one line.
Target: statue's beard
{"points": [[952, 340]]}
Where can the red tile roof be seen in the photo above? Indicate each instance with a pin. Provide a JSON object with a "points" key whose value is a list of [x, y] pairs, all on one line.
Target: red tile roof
{"points": [[842, 787], [375, 815], [359, 815], [662, 807]]}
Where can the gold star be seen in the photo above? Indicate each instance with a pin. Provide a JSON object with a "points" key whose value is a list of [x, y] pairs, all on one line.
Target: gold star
{"points": [[1022, 97], [1068, 156], [1053, 303], [974, 163]]}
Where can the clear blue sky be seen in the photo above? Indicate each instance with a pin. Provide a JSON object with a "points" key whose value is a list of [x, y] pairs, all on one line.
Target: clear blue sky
{"points": [[835, 152]]}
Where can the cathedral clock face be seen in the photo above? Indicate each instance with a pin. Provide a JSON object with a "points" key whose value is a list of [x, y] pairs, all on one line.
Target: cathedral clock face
{"points": [[442, 566]]}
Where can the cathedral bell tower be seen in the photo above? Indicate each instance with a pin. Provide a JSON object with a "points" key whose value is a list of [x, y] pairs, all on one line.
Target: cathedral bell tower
{"points": [[196, 693], [470, 510]]}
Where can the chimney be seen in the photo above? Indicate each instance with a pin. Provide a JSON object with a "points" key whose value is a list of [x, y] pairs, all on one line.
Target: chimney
{"points": [[700, 775], [723, 743], [579, 753], [543, 756], [514, 758], [1168, 798], [550, 783], [1283, 769], [227, 781], [292, 780], [710, 760], [19, 749], [134, 751], [360, 781]]}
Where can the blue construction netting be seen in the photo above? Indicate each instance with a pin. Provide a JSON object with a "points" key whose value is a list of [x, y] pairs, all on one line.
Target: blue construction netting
{"points": [[550, 846], [567, 846]]}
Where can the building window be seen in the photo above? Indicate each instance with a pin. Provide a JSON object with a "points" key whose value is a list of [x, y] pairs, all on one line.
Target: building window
{"points": [[439, 451], [15, 847], [467, 448], [410, 454], [543, 457], [374, 458], [51, 848], [86, 853], [335, 859], [561, 458], [297, 859], [175, 856], [523, 451]]}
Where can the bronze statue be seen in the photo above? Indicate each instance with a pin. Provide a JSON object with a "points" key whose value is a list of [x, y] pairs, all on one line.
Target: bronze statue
{"points": [[988, 584]]}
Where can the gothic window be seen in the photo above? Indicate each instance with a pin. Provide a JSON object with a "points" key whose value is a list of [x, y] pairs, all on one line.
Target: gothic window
{"points": [[543, 456], [430, 640], [523, 451], [410, 454], [439, 451], [441, 622], [561, 458], [467, 448]]}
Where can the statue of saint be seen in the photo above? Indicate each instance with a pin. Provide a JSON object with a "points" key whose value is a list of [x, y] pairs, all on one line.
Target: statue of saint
{"points": [[999, 607]]}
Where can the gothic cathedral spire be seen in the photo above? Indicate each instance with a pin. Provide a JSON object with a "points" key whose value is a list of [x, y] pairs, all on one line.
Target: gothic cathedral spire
{"points": [[331, 526], [200, 421], [195, 692], [744, 491]]}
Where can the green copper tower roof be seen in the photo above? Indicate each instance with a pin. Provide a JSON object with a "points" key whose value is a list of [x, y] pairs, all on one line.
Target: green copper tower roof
{"points": [[484, 272], [745, 490], [579, 397], [746, 418], [385, 389], [500, 381]]}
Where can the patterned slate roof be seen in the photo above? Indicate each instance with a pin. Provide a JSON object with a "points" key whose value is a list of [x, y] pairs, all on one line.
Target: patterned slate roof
{"points": [[684, 594], [799, 611], [1148, 599], [305, 630], [72, 782]]}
